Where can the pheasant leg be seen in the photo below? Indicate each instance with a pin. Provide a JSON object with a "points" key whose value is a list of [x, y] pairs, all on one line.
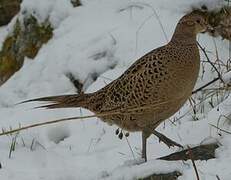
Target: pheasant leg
{"points": [[166, 140], [145, 135]]}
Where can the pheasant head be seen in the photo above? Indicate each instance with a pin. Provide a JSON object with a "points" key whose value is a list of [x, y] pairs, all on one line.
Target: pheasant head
{"points": [[189, 26]]}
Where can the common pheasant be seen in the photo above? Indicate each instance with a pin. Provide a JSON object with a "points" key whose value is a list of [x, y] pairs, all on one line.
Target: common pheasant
{"points": [[152, 89]]}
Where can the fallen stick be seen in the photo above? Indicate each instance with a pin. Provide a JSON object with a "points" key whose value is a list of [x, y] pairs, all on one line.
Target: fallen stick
{"points": [[201, 152]]}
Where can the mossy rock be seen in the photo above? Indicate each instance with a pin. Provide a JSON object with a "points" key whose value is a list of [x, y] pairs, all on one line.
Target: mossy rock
{"points": [[8, 9], [25, 41], [7, 67]]}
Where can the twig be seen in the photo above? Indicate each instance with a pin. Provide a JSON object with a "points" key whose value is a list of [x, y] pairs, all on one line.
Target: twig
{"points": [[42, 124], [207, 57], [206, 85], [149, 17], [219, 119], [130, 147], [218, 178], [32, 144], [229, 50], [157, 17], [193, 162], [220, 129], [166, 140], [218, 89]]}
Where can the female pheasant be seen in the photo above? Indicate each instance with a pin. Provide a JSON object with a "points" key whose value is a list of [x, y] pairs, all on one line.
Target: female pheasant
{"points": [[152, 89]]}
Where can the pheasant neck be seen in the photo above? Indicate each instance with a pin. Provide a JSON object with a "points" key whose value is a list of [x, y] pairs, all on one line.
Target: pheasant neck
{"points": [[183, 36]]}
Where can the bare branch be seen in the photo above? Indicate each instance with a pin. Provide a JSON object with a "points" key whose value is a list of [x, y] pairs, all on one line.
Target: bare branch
{"points": [[206, 85], [207, 57], [193, 162], [220, 129]]}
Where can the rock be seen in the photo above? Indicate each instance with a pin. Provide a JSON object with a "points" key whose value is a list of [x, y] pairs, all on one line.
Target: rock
{"points": [[76, 3], [168, 176], [201, 152], [8, 9], [77, 84], [25, 41]]}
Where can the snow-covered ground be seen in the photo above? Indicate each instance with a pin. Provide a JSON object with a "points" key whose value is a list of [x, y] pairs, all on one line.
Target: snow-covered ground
{"points": [[102, 37]]}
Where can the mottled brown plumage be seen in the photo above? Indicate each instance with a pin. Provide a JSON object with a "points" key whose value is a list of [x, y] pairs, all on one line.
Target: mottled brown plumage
{"points": [[162, 79]]}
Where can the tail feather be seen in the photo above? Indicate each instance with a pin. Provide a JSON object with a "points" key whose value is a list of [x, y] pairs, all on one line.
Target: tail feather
{"points": [[63, 101]]}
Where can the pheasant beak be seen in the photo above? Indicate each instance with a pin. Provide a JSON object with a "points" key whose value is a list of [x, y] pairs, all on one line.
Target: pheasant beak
{"points": [[208, 28]]}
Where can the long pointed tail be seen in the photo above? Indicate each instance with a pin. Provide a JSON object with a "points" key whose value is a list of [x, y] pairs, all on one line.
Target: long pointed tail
{"points": [[63, 101]]}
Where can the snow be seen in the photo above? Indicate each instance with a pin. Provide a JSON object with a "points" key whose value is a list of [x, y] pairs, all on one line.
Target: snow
{"points": [[227, 77], [103, 38], [53, 10], [3, 35]]}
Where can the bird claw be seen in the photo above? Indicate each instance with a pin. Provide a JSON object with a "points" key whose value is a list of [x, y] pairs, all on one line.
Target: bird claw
{"points": [[166, 140]]}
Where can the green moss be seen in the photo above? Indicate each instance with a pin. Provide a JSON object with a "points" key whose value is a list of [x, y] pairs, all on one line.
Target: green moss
{"points": [[7, 68], [8, 65]]}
